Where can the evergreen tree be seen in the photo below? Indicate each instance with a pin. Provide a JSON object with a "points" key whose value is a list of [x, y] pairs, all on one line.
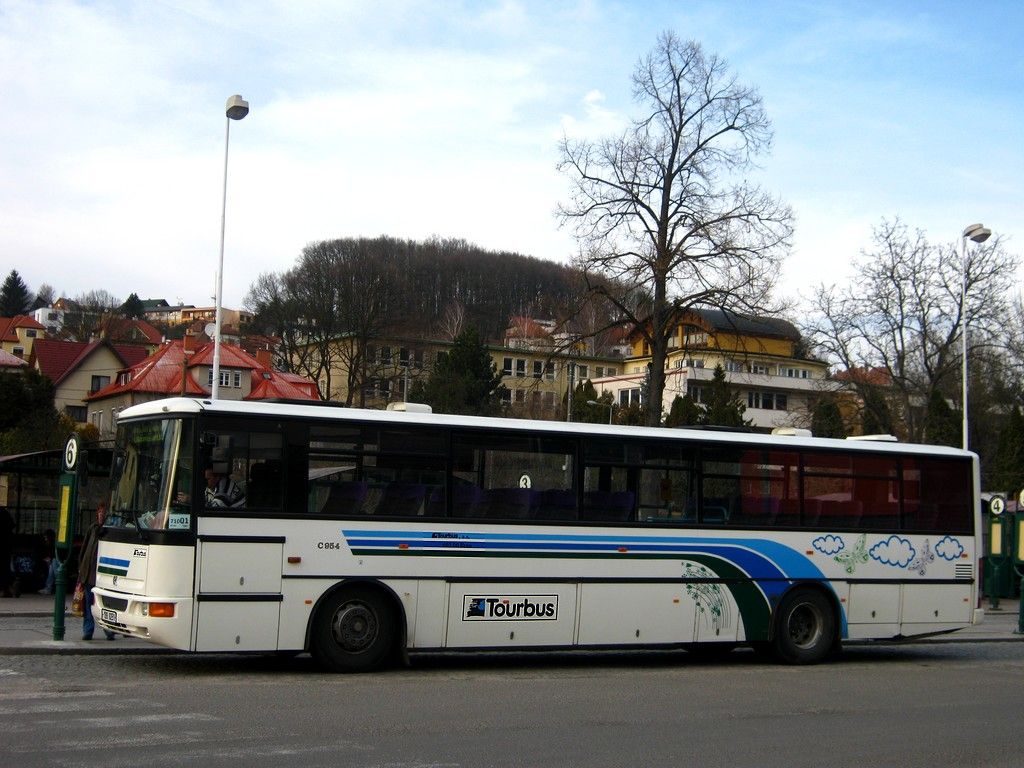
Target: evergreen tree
{"points": [[876, 418], [582, 412], [132, 307], [684, 412], [466, 380], [941, 424], [723, 407], [15, 297], [827, 419], [29, 422], [1009, 458]]}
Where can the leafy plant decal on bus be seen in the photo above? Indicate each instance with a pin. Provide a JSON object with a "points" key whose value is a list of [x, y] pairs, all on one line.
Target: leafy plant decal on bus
{"points": [[856, 556], [949, 548], [712, 603], [895, 551], [829, 545], [920, 564]]}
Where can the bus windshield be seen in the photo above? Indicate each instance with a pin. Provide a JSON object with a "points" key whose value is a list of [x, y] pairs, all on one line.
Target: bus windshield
{"points": [[152, 475]]}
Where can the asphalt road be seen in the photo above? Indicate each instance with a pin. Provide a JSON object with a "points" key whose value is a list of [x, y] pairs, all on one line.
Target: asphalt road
{"points": [[953, 704]]}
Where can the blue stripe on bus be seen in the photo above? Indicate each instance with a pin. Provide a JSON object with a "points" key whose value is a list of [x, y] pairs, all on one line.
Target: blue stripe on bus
{"points": [[793, 564], [115, 561]]}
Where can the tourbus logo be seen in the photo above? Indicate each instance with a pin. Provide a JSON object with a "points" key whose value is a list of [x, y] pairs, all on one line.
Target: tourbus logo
{"points": [[510, 608]]}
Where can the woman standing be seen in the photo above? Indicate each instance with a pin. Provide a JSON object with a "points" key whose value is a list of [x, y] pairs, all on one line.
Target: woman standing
{"points": [[87, 572]]}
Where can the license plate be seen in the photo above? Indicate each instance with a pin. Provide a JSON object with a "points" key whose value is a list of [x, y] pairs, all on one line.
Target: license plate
{"points": [[107, 615]]}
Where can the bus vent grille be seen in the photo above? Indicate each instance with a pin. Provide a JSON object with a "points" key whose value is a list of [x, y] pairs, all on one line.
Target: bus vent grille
{"points": [[115, 603], [963, 571]]}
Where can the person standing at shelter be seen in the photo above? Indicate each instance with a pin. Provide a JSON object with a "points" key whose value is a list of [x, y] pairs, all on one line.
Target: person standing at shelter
{"points": [[87, 572], [8, 586]]}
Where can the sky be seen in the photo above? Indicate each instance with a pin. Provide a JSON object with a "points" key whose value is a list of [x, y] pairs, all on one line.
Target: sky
{"points": [[417, 119]]}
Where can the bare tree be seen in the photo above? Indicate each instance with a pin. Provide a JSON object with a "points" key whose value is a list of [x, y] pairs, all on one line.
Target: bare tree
{"points": [[659, 207], [327, 309], [90, 312], [898, 323]]}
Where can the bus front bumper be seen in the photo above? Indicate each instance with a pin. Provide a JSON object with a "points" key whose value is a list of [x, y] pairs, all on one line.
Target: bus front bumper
{"points": [[165, 621]]}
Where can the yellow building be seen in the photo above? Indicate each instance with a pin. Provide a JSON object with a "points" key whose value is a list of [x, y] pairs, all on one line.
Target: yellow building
{"points": [[761, 358], [535, 379]]}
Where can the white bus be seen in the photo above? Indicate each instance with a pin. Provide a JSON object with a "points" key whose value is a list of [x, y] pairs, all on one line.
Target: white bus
{"points": [[360, 536]]}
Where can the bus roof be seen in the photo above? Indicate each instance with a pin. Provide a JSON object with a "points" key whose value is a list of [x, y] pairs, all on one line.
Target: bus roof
{"points": [[179, 406]]}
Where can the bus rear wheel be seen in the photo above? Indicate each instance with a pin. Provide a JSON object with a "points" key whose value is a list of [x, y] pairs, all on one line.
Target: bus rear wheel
{"points": [[805, 627], [354, 631]]}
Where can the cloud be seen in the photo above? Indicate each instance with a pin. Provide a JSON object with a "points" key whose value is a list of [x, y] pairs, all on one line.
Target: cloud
{"points": [[949, 548], [894, 551], [829, 545]]}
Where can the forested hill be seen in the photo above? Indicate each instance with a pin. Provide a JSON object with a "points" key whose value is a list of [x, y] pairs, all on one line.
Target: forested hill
{"points": [[420, 288]]}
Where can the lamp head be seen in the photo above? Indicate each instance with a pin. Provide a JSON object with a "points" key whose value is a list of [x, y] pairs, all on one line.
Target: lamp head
{"points": [[977, 233], [236, 108]]}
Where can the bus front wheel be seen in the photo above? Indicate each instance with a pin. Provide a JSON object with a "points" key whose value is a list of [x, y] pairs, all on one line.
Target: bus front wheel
{"points": [[354, 631], [805, 627]]}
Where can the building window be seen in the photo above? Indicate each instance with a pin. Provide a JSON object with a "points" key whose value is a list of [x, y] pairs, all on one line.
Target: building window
{"points": [[731, 366], [520, 395], [693, 362], [98, 383], [610, 371], [582, 371], [30, 333], [19, 352], [228, 378], [629, 396], [506, 395], [506, 366], [549, 371], [767, 401], [696, 392], [759, 368], [78, 413], [521, 368], [538, 369], [549, 399], [96, 420]]}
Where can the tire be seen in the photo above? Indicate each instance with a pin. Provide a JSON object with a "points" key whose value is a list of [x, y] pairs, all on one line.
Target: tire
{"points": [[805, 628], [353, 631]]}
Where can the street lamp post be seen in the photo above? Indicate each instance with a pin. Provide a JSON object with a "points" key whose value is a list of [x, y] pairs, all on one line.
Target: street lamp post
{"points": [[609, 406], [978, 234], [235, 109]]}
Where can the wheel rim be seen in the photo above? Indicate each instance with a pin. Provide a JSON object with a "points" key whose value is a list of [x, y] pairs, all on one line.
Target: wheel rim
{"points": [[355, 627], [806, 625]]}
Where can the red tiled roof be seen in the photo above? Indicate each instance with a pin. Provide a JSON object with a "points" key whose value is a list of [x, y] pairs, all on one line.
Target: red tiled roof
{"points": [[272, 384], [131, 330], [163, 371], [7, 360], [55, 359], [9, 326]]}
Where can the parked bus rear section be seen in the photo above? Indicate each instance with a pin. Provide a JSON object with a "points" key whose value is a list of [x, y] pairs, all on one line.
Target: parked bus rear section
{"points": [[362, 535]]}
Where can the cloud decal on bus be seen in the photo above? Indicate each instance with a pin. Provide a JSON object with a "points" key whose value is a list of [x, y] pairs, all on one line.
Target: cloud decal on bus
{"points": [[829, 545], [949, 548], [895, 551]]}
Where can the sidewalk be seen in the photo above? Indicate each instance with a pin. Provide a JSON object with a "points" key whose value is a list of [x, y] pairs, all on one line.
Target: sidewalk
{"points": [[26, 627]]}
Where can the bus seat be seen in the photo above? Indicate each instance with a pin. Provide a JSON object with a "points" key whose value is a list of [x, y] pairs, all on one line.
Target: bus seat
{"points": [[608, 506], [435, 502], [757, 510], [264, 486], [402, 499], [468, 501], [556, 504], [345, 498], [839, 514], [716, 509], [509, 503]]}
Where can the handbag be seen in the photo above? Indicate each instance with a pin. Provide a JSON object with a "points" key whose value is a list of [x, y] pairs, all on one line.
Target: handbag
{"points": [[78, 600]]}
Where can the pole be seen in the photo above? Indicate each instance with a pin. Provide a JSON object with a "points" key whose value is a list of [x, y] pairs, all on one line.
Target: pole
{"points": [[963, 335], [218, 318]]}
